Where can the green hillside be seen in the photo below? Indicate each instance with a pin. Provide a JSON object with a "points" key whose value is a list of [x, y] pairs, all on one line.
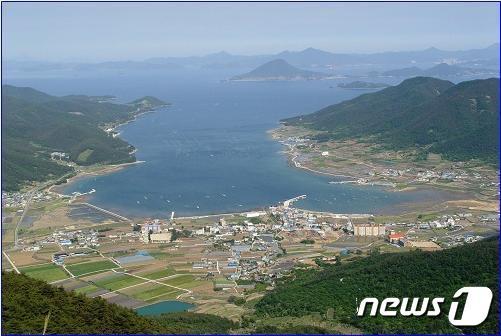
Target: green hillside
{"points": [[460, 121], [415, 274], [36, 124], [26, 303]]}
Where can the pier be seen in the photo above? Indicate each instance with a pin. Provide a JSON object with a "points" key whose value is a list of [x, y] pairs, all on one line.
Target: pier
{"points": [[107, 212], [289, 202]]}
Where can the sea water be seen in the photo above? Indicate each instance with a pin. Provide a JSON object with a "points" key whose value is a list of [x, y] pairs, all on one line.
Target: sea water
{"points": [[209, 152]]}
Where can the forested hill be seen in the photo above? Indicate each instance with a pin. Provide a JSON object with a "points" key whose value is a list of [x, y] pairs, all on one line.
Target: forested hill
{"points": [[35, 124], [413, 274], [26, 303], [459, 121]]}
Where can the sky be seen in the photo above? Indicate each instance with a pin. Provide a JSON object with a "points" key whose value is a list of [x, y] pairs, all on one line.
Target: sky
{"points": [[135, 31]]}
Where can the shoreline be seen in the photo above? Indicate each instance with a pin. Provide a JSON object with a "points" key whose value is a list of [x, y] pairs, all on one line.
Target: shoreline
{"points": [[108, 168], [294, 163], [105, 169], [452, 197]]}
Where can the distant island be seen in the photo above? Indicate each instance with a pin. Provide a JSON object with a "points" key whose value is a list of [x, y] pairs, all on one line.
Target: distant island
{"points": [[279, 70], [362, 85]]}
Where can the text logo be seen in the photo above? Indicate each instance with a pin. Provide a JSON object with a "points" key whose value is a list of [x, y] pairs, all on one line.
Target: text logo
{"points": [[475, 310]]}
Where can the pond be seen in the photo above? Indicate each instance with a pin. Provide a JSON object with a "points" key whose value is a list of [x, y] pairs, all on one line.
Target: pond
{"points": [[164, 307]]}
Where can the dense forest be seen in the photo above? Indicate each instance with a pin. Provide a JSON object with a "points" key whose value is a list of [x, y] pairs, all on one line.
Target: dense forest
{"points": [[334, 290], [26, 303], [459, 121], [35, 124]]}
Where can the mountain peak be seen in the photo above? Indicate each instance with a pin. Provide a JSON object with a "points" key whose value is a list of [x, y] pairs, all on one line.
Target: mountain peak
{"points": [[279, 69]]}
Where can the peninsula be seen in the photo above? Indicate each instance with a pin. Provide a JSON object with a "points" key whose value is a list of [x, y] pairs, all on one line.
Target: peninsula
{"points": [[48, 137]]}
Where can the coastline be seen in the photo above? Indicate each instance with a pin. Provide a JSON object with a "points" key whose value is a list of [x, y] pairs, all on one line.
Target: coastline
{"points": [[452, 197], [292, 158], [102, 170], [106, 168]]}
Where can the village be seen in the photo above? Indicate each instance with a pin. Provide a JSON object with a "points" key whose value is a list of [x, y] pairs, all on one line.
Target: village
{"points": [[260, 246], [209, 261], [370, 164]]}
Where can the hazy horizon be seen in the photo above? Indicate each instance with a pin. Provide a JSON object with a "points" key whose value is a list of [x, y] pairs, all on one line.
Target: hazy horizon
{"points": [[238, 54], [96, 32]]}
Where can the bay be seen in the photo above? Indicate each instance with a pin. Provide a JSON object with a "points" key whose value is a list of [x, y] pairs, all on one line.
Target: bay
{"points": [[210, 151]]}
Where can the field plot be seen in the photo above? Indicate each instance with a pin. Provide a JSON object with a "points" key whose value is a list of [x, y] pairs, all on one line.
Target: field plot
{"points": [[87, 289], [81, 259], [159, 274], [123, 300], [148, 291], [223, 281], [168, 296], [90, 267], [46, 272], [118, 281], [185, 281], [28, 258]]}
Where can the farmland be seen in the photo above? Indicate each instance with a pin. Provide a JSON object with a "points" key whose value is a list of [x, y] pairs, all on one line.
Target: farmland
{"points": [[46, 272], [91, 267]]}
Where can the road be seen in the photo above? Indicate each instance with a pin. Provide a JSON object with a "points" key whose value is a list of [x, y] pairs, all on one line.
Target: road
{"points": [[25, 210], [11, 262], [31, 193]]}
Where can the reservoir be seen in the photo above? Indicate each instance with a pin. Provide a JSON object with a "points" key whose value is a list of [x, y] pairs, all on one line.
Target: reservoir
{"points": [[210, 151], [165, 307]]}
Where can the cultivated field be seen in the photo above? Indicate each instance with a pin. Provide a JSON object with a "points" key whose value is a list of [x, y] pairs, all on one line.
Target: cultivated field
{"points": [[91, 267], [46, 272]]}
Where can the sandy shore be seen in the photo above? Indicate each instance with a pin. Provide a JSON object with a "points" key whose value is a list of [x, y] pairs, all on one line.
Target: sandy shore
{"points": [[107, 169]]}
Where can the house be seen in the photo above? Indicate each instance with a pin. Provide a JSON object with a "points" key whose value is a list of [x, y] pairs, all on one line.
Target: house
{"points": [[254, 214], [241, 248], [232, 264], [199, 265], [153, 226], [394, 238]]}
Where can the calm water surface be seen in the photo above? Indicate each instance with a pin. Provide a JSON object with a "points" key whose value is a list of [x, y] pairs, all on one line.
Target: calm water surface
{"points": [[210, 152], [164, 307]]}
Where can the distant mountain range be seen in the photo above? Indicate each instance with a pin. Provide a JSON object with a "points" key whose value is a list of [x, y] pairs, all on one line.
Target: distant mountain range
{"points": [[35, 124], [439, 70], [278, 70], [309, 58], [459, 121]]}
